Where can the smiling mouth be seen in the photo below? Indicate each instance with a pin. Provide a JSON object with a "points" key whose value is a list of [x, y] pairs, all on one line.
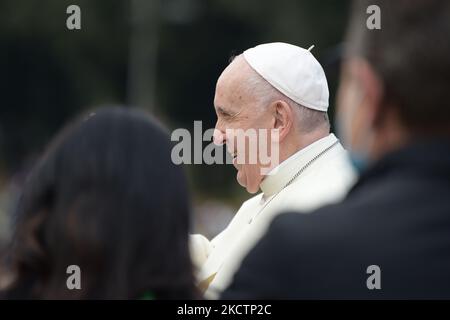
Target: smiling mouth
{"points": [[233, 154], [234, 157]]}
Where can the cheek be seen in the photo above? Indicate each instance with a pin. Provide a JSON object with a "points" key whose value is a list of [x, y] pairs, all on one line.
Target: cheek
{"points": [[233, 133]]}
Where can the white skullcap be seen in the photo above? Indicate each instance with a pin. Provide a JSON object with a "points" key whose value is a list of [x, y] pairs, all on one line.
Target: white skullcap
{"points": [[293, 71]]}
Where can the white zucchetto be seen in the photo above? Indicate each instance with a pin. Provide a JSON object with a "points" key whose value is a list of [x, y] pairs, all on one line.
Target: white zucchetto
{"points": [[291, 70]]}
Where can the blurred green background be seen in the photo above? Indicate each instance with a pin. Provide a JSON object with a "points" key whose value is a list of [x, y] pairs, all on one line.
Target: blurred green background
{"points": [[164, 56]]}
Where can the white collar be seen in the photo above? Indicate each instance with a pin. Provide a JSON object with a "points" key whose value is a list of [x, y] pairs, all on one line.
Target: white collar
{"points": [[279, 176]]}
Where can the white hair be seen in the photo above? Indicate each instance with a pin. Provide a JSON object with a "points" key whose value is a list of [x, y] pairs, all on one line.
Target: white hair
{"points": [[265, 93]]}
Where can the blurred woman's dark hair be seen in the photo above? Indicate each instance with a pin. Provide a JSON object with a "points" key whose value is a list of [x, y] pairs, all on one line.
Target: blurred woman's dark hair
{"points": [[107, 198]]}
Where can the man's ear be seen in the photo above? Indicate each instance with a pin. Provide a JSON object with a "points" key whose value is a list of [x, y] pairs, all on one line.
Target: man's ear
{"points": [[283, 115], [372, 87]]}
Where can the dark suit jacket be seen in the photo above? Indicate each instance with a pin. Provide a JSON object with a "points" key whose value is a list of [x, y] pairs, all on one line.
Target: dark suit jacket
{"points": [[396, 217]]}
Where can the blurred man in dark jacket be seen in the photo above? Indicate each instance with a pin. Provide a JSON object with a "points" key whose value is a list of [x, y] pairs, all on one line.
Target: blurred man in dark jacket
{"points": [[390, 238]]}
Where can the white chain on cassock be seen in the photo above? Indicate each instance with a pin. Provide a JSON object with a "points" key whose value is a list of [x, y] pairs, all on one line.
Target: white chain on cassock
{"points": [[296, 175]]}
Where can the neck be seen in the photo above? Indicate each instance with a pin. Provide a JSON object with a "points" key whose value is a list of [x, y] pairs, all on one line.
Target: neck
{"points": [[299, 140]]}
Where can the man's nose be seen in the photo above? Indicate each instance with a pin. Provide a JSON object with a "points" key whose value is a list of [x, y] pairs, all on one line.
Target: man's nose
{"points": [[218, 137]]}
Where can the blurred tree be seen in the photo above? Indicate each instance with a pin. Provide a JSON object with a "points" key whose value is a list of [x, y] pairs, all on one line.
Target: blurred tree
{"points": [[143, 53]]}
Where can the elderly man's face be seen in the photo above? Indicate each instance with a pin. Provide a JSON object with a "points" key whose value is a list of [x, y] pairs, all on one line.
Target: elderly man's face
{"points": [[237, 108]]}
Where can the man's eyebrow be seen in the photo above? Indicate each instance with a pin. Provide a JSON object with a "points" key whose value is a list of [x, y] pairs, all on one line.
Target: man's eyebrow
{"points": [[227, 112], [222, 110]]}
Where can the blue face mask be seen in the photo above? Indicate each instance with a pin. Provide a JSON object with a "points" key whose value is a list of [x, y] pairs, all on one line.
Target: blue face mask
{"points": [[359, 161]]}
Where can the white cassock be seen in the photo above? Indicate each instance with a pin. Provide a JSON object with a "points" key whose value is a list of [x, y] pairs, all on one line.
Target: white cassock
{"points": [[316, 175]]}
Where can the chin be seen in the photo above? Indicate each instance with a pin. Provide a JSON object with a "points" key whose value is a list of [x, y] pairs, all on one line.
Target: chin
{"points": [[252, 190], [241, 179]]}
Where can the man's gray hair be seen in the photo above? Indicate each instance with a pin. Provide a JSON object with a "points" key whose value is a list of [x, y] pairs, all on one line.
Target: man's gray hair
{"points": [[265, 93]]}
